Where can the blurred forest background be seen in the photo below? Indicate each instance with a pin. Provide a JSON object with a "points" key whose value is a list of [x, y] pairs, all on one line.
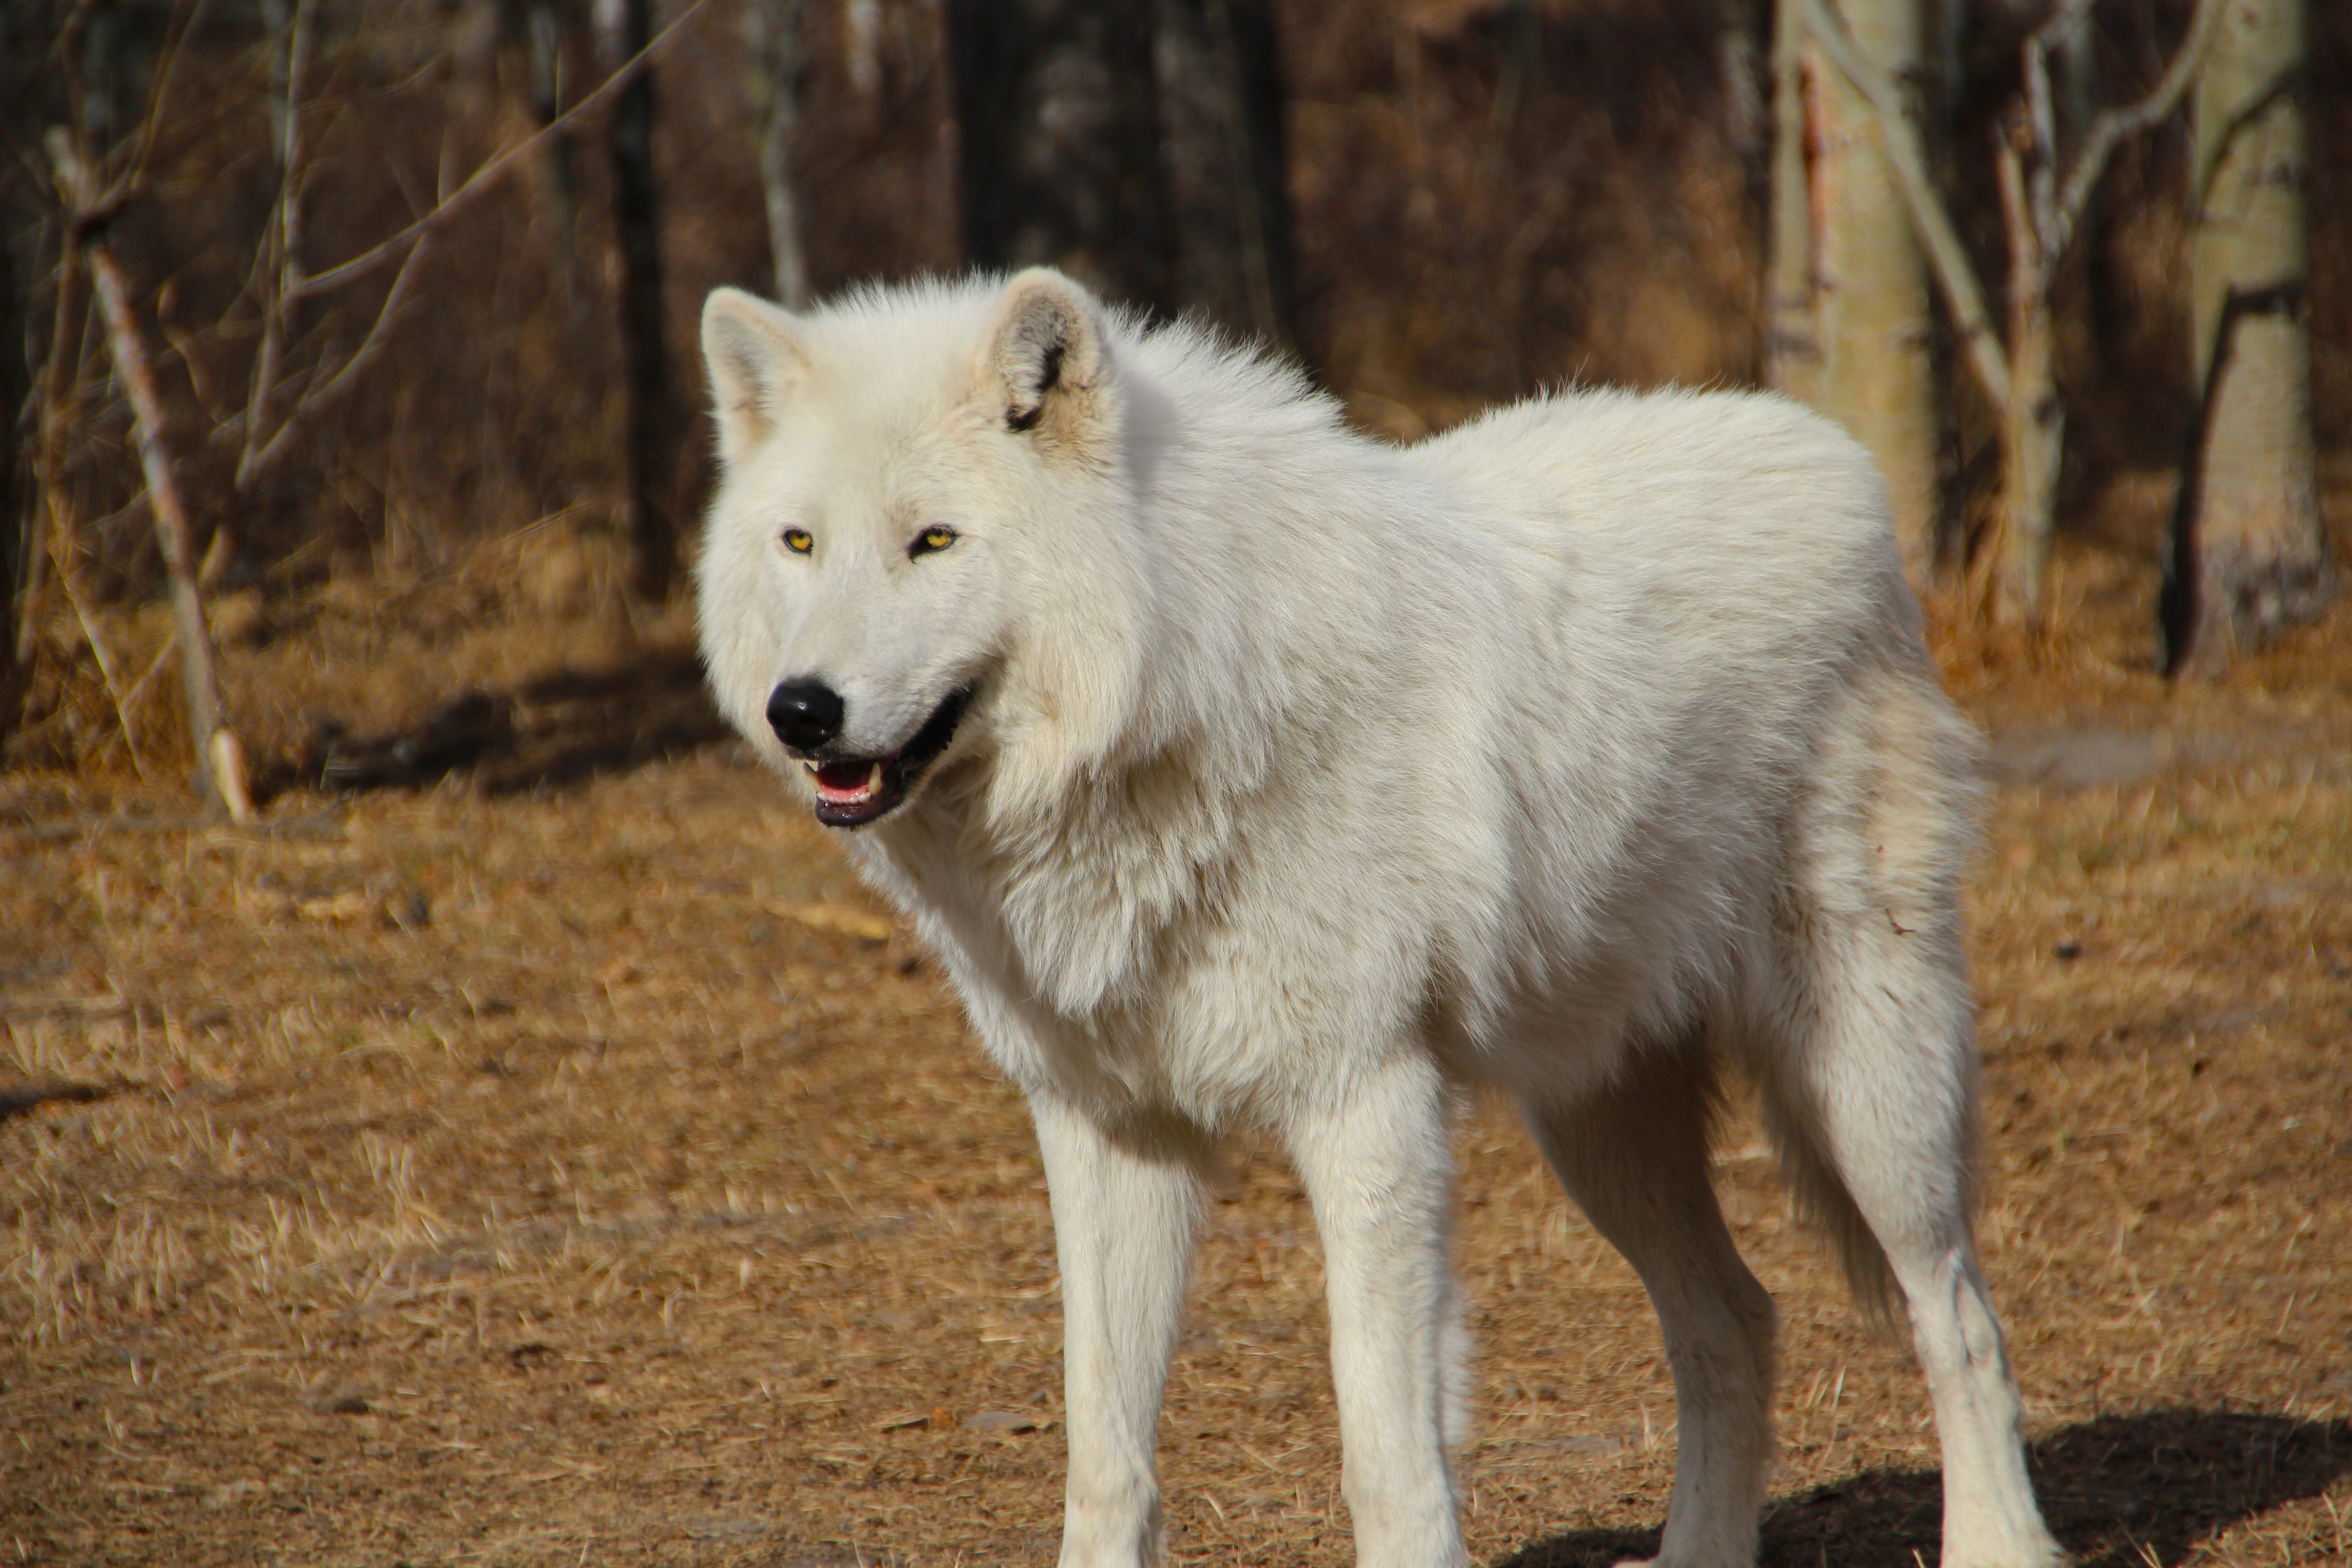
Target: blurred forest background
{"points": [[405, 283]]}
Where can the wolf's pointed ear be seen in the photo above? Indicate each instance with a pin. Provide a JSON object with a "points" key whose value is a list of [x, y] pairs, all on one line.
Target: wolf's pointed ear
{"points": [[755, 358], [1048, 358]]}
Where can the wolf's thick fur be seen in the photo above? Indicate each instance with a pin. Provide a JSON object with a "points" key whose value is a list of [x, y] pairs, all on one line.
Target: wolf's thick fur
{"points": [[1293, 778]]}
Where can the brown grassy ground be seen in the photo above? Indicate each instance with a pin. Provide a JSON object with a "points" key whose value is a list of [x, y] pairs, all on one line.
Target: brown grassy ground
{"points": [[525, 1172]]}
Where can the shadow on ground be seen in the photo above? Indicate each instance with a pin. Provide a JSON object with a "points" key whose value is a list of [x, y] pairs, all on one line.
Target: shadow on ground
{"points": [[557, 729], [2123, 1491]]}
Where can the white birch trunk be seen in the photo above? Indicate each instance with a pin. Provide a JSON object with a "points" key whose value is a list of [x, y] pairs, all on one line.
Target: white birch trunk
{"points": [[2254, 544], [1851, 329], [776, 65]]}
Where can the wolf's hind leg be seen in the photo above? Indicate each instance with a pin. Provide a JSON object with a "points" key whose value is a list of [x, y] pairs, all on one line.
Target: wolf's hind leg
{"points": [[1871, 1096], [1633, 1156], [1124, 1218], [1862, 1041], [1378, 1166]]}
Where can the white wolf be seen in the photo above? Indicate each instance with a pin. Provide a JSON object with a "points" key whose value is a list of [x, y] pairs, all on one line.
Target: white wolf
{"points": [[1240, 768]]}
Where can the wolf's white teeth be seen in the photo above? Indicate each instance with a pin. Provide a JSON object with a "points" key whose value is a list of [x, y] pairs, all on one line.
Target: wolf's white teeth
{"points": [[873, 779]]}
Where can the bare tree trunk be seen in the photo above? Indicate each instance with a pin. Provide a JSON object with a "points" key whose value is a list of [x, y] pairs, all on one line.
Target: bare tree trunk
{"points": [[276, 21], [545, 24], [2074, 47], [2260, 556], [219, 758], [2033, 447], [772, 39], [1055, 106], [2027, 153], [623, 28], [1744, 68], [281, 304], [2033, 417], [1792, 338], [1223, 166], [1850, 326]]}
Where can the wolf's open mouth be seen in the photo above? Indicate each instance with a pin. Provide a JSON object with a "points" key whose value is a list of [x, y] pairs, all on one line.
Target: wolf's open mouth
{"points": [[854, 791]]}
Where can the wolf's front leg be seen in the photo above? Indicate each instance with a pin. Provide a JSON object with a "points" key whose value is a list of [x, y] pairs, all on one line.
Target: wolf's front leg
{"points": [[1124, 1218], [1378, 1164]]}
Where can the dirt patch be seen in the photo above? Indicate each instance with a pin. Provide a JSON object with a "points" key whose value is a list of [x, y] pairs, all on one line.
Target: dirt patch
{"points": [[591, 1172]]}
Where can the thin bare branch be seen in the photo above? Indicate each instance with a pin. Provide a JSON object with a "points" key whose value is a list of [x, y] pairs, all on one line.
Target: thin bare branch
{"points": [[2038, 153], [138, 687], [69, 31], [2016, 211], [2113, 128], [158, 101], [61, 560], [52, 519], [479, 182], [285, 243], [1956, 274], [2069, 20], [258, 460], [263, 446]]}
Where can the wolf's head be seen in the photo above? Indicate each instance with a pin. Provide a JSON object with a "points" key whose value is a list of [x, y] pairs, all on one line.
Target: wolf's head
{"points": [[918, 552]]}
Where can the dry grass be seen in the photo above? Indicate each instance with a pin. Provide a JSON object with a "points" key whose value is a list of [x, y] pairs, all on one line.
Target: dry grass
{"points": [[584, 1176]]}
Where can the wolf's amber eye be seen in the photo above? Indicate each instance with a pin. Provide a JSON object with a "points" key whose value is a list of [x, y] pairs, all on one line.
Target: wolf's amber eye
{"points": [[930, 539], [799, 541]]}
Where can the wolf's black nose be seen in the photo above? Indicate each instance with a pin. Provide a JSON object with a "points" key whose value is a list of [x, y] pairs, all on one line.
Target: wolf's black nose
{"points": [[805, 714]]}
